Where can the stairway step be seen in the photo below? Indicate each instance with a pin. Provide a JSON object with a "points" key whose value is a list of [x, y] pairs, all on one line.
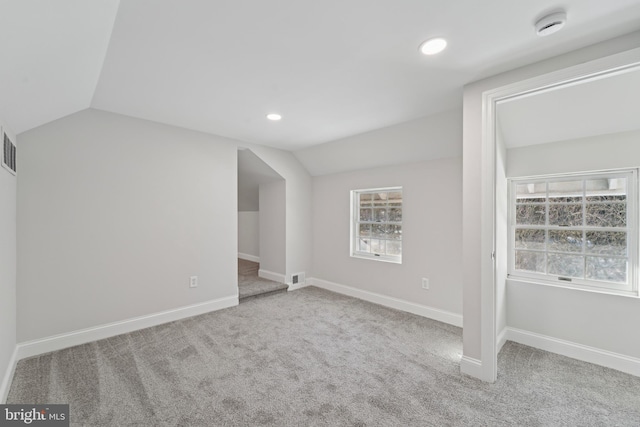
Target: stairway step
{"points": [[262, 295]]}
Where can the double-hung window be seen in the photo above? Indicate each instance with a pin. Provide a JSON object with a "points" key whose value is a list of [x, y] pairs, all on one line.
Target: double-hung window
{"points": [[576, 230], [376, 224]]}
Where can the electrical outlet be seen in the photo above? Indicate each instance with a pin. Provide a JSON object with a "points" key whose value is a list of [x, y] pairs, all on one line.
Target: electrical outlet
{"points": [[193, 282], [425, 283]]}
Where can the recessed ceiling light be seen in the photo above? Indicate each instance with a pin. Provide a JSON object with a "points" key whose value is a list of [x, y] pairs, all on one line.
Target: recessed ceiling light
{"points": [[274, 116], [433, 46]]}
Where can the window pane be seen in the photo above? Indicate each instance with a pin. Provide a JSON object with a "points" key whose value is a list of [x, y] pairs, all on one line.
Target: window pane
{"points": [[380, 215], [395, 199], [377, 246], [606, 242], [607, 269], [379, 199], [395, 214], [565, 241], [365, 199], [606, 189], [530, 239], [364, 230], [565, 265], [379, 231], [363, 245], [530, 214], [607, 214], [565, 191], [366, 215], [565, 215], [530, 261], [606, 198], [531, 193], [394, 248], [394, 232]]}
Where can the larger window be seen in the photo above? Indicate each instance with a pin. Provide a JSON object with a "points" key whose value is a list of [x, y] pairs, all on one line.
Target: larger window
{"points": [[376, 224], [576, 230]]}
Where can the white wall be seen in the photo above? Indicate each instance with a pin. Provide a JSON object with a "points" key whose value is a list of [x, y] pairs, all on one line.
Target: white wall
{"points": [[476, 258], [273, 227], [432, 239], [249, 235], [115, 214], [434, 137], [602, 321], [7, 271], [502, 235], [297, 207]]}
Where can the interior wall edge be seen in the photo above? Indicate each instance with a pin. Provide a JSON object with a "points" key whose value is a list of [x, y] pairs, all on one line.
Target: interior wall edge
{"points": [[7, 379], [470, 366]]}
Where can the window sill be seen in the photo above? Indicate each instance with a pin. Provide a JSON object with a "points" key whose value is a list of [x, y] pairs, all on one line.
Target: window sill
{"points": [[575, 287], [377, 258]]}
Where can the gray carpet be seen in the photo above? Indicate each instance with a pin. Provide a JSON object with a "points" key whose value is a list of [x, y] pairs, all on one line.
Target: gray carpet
{"points": [[314, 358]]}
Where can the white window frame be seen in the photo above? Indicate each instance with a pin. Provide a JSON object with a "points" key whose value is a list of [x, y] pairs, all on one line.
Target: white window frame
{"points": [[355, 221], [628, 289]]}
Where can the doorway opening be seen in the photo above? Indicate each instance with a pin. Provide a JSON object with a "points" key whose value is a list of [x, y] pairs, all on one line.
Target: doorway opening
{"points": [[569, 141], [261, 228]]}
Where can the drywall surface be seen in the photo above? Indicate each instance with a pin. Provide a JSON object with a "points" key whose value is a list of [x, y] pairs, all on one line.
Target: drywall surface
{"points": [[297, 206], [252, 172], [249, 233], [432, 238], [115, 214], [502, 233], [476, 257], [7, 271], [605, 322], [619, 150], [433, 137], [273, 227]]}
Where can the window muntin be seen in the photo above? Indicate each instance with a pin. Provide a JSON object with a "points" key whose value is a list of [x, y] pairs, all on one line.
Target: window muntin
{"points": [[376, 224], [578, 231]]}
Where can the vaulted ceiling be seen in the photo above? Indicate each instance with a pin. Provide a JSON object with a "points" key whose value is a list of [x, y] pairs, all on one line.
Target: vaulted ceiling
{"points": [[332, 68]]}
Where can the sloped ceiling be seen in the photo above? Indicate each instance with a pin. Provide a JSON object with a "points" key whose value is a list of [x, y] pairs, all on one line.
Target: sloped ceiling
{"points": [[252, 172], [51, 56], [332, 68]]}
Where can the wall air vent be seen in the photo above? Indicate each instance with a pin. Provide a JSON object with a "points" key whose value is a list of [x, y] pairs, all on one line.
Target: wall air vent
{"points": [[297, 279], [8, 154]]}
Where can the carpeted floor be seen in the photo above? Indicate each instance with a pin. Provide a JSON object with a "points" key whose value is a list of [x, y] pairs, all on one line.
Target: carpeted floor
{"points": [[250, 285], [315, 358]]}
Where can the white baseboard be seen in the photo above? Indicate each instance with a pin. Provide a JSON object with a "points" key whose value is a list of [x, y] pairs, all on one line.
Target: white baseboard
{"points": [[297, 286], [620, 362], [70, 339], [270, 275], [8, 376], [501, 340], [399, 304], [248, 257], [471, 367]]}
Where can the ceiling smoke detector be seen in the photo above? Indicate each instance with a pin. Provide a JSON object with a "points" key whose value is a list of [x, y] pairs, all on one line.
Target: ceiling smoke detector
{"points": [[551, 23]]}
